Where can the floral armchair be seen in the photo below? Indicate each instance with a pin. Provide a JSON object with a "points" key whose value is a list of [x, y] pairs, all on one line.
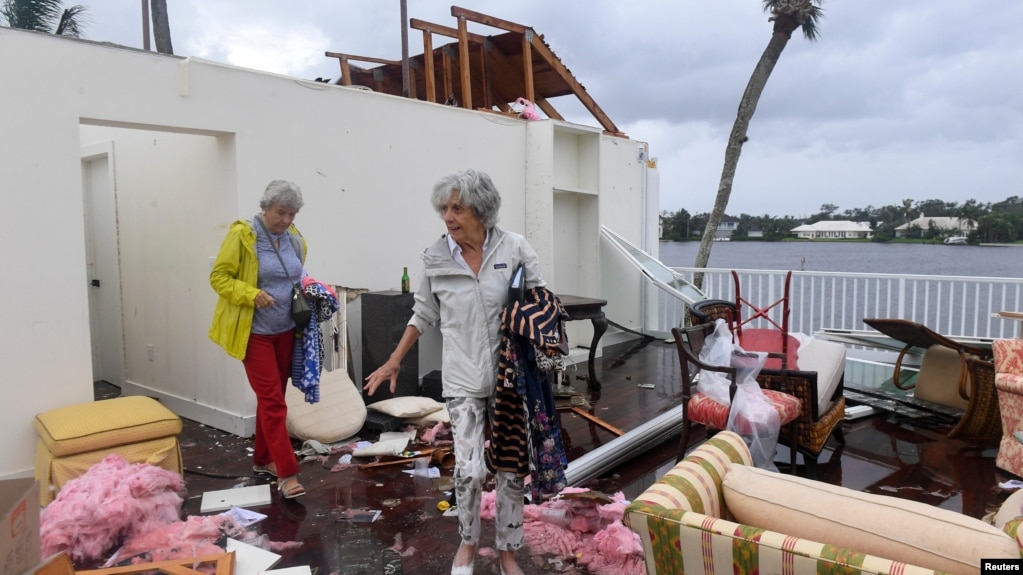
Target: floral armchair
{"points": [[1009, 383]]}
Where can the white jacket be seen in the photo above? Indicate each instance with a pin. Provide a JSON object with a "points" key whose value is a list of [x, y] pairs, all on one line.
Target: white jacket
{"points": [[468, 308]]}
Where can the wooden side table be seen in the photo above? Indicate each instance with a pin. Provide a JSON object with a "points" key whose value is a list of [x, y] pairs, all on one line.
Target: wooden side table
{"points": [[579, 307]]}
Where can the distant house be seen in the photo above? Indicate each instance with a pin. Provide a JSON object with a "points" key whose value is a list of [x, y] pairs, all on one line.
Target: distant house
{"points": [[946, 224], [833, 230], [726, 227]]}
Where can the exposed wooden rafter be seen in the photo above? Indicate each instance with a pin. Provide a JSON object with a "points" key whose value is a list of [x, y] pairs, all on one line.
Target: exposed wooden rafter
{"points": [[476, 71]]}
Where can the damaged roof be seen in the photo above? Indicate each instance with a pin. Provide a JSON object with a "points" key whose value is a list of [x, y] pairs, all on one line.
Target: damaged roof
{"points": [[477, 72]]}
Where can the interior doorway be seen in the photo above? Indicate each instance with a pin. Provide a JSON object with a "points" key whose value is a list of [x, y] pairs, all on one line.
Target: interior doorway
{"points": [[103, 272]]}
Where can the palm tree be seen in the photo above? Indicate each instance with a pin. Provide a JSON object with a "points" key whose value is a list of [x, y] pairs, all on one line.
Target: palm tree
{"points": [[787, 15], [161, 27], [45, 16]]}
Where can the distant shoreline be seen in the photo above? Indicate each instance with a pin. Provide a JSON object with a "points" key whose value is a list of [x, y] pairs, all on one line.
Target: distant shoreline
{"points": [[848, 241]]}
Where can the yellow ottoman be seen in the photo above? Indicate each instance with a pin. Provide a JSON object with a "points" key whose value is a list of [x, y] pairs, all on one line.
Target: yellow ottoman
{"points": [[74, 438]]}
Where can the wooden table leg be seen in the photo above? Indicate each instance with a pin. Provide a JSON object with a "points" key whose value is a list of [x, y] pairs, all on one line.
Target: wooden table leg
{"points": [[599, 327]]}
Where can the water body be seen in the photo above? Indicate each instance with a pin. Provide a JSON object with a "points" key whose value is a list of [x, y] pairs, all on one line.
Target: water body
{"points": [[924, 259]]}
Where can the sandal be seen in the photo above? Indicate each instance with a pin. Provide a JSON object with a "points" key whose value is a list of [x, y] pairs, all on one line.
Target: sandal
{"points": [[290, 488], [268, 469]]}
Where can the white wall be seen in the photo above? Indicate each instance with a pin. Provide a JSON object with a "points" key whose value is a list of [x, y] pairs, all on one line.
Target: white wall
{"points": [[193, 144]]}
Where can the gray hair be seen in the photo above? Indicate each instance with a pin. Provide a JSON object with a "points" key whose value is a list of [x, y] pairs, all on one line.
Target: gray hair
{"points": [[475, 191], [282, 193]]}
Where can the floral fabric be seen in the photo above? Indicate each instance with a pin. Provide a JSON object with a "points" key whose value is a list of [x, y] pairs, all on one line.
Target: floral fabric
{"points": [[1009, 383]]}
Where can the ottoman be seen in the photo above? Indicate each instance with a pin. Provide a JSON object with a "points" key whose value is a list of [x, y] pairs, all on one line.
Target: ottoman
{"points": [[74, 438]]}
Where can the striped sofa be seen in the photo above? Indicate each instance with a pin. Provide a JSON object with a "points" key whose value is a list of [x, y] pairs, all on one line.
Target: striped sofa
{"points": [[685, 526]]}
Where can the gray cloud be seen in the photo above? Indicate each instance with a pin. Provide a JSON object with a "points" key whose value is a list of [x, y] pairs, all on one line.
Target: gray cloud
{"points": [[912, 99]]}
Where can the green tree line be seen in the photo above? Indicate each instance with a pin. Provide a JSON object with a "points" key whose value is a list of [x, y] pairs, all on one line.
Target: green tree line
{"points": [[996, 222]]}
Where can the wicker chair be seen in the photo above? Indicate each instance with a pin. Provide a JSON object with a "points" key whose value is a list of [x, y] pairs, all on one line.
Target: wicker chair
{"points": [[982, 417], [951, 374], [812, 428], [709, 310], [700, 409]]}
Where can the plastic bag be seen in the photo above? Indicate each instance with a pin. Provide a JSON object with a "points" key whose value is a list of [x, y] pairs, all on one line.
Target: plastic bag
{"points": [[752, 416], [717, 350]]}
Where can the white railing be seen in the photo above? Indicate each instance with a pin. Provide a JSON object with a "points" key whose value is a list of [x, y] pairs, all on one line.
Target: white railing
{"points": [[951, 305]]}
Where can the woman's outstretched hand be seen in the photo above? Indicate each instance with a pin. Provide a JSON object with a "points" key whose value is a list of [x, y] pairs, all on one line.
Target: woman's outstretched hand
{"points": [[388, 371]]}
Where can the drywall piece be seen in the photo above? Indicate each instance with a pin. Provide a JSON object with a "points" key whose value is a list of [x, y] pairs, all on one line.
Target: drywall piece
{"points": [[252, 496], [249, 559], [301, 570]]}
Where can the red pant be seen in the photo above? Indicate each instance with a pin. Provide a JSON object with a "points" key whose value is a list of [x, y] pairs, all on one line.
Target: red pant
{"points": [[268, 364]]}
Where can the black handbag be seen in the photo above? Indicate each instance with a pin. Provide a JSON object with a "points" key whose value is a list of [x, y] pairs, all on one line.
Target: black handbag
{"points": [[301, 311]]}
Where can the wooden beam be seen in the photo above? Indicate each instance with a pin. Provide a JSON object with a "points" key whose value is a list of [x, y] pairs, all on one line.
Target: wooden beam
{"points": [[431, 82], [443, 30], [527, 68], [484, 77], [480, 18], [346, 72], [224, 566], [548, 109], [449, 90], [541, 48], [363, 58], [463, 63], [577, 88]]}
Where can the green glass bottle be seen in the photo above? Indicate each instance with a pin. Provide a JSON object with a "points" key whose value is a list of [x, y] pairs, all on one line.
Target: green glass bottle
{"points": [[404, 280]]}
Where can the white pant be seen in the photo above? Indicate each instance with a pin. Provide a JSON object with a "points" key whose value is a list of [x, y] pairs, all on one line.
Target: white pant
{"points": [[469, 416]]}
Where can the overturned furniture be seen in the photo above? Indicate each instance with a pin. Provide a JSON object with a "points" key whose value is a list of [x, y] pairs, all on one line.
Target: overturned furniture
{"points": [[75, 437], [952, 375]]}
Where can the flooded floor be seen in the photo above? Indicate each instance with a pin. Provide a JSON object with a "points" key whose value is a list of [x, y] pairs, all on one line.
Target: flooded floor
{"points": [[884, 453]]}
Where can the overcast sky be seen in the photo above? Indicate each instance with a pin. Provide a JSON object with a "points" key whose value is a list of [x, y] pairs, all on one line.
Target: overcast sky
{"points": [[919, 99]]}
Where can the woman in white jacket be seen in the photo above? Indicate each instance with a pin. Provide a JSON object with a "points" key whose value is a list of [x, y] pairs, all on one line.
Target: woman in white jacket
{"points": [[464, 289]]}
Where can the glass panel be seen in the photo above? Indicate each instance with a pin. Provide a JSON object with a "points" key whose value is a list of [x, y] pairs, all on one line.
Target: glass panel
{"points": [[670, 281]]}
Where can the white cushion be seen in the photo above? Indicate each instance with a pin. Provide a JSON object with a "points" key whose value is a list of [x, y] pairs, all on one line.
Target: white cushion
{"points": [[938, 380], [439, 416], [888, 527], [1011, 508], [407, 407], [827, 358], [338, 415]]}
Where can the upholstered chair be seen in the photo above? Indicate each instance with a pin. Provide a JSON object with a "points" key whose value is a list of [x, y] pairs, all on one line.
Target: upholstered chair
{"points": [[1009, 383]]}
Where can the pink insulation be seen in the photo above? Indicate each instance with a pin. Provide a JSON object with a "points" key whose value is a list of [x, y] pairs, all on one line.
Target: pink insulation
{"points": [[114, 499], [581, 530]]}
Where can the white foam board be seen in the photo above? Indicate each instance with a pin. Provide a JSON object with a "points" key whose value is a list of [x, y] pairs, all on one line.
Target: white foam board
{"points": [[301, 570], [249, 559], [251, 496]]}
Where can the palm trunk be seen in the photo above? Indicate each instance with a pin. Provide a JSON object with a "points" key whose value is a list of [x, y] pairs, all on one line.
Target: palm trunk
{"points": [[747, 106], [161, 27]]}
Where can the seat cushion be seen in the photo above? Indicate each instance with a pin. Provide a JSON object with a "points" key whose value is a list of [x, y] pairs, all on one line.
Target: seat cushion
{"points": [[888, 527], [827, 358], [705, 410], [54, 472], [338, 415], [87, 427], [939, 376], [770, 340]]}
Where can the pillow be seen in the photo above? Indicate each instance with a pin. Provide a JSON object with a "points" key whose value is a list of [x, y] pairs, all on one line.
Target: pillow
{"points": [[439, 416], [338, 415], [408, 407], [886, 527]]}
